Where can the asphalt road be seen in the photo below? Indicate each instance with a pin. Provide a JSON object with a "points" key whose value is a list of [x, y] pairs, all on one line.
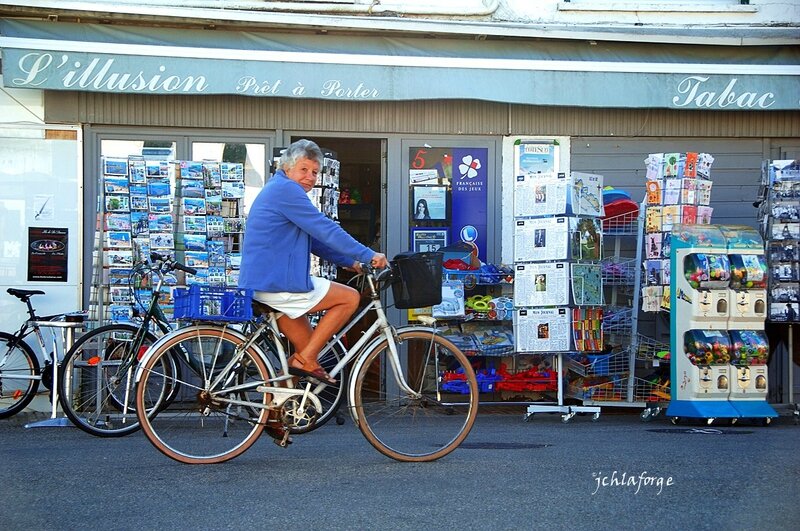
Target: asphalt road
{"points": [[618, 473]]}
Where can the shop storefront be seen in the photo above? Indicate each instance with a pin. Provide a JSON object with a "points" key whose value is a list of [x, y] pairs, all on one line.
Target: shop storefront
{"points": [[393, 110]]}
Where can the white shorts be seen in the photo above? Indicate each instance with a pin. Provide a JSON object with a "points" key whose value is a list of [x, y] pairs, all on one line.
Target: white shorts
{"points": [[295, 305]]}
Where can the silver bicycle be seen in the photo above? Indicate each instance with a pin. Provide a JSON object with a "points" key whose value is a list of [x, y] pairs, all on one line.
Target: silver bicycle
{"points": [[226, 395]]}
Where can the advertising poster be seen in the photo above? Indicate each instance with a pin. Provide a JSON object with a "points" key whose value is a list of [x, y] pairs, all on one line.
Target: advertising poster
{"points": [[47, 254], [469, 222], [465, 171], [429, 203]]}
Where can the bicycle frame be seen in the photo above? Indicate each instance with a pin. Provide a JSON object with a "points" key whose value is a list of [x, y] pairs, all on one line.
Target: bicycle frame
{"points": [[155, 315], [380, 330], [30, 327]]}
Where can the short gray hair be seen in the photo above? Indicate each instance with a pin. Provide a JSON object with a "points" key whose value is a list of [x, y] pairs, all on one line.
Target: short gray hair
{"points": [[302, 149]]}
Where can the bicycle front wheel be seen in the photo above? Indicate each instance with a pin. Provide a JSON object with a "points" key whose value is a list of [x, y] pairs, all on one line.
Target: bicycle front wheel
{"points": [[19, 373], [218, 413], [433, 419], [97, 387]]}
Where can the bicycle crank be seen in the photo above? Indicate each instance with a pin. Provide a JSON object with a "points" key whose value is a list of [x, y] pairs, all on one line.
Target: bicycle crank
{"points": [[293, 416]]}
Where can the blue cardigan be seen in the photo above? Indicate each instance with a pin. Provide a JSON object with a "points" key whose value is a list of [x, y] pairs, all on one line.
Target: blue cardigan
{"points": [[283, 228]]}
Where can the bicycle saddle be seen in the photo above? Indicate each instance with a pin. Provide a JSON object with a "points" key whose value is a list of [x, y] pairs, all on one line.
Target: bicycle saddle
{"points": [[24, 294], [259, 308]]}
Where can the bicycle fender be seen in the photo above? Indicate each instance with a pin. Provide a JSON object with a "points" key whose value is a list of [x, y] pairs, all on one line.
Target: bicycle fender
{"points": [[164, 339], [351, 393]]}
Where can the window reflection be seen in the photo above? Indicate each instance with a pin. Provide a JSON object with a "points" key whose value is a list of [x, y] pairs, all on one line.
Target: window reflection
{"points": [[252, 156]]}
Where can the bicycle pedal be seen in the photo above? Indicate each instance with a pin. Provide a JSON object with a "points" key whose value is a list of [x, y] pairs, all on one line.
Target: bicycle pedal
{"points": [[284, 441]]}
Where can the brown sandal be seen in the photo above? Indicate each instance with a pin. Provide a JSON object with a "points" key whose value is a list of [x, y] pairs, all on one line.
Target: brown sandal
{"points": [[319, 374]]}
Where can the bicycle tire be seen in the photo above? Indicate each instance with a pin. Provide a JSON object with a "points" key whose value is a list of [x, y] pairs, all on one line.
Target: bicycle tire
{"points": [[197, 427], [19, 368], [94, 396], [424, 427]]}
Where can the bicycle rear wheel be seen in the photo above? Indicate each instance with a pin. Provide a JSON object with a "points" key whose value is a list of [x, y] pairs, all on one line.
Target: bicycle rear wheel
{"points": [[204, 424], [19, 370], [435, 419], [97, 387]]}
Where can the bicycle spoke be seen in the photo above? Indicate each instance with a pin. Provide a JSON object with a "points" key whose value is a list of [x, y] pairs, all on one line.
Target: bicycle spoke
{"points": [[201, 424], [96, 387], [430, 424]]}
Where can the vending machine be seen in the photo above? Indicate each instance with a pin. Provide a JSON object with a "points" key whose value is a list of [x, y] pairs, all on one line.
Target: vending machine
{"points": [[748, 312], [700, 304]]}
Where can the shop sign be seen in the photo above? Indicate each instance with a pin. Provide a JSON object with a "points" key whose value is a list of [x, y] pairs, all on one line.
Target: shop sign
{"points": [[370, 80], [693, 92]]}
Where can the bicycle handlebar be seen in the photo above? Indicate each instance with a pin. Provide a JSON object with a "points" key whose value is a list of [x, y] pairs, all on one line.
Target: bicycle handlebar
{"points": [[378, 275], [170, 264]]}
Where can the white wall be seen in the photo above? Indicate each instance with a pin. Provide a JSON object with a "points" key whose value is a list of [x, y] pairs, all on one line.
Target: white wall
{"points": [[33, 170]]}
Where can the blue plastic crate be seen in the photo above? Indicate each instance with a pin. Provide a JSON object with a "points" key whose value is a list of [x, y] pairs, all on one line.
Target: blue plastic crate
{"points": [[212, 303]]}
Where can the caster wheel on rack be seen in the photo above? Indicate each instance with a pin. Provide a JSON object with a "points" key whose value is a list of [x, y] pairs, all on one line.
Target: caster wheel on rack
{"points": [[646, 415], [566, 418], [734, 421], [766, 421], [596, 417], [675, 420], [527, 417], [339, 420], [710, 421]]}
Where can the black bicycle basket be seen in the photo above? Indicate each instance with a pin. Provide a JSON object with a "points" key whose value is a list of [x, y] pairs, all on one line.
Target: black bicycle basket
{"points": [[417, 281]]}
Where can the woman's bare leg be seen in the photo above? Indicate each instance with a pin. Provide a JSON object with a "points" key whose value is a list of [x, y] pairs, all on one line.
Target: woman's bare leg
{"points": [[340, 304]]}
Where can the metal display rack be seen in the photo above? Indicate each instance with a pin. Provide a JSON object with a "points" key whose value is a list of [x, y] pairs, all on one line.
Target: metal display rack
{"points": [[778, 200], [611, 379], [562, 359]]}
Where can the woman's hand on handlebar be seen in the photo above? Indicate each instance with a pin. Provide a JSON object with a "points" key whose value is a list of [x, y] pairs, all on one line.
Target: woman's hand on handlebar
{"points": [[379, 261]]}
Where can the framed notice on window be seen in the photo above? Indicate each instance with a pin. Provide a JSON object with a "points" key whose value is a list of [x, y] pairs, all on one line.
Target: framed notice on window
{"points": [[47, 254], [425, 240]]}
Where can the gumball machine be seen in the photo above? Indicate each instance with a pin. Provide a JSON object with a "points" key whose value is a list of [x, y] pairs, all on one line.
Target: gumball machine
{"points": [[700, 346], [749, 346], [709, 351], [708, 274]]}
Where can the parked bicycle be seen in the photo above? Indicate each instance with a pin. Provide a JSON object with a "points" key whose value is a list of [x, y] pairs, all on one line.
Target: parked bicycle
{"points": [[97, 381], [394, 389], [20, 370]]}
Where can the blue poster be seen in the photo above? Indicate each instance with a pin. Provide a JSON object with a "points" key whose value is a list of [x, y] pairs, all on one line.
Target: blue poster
{"points": [[470, 197]]}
